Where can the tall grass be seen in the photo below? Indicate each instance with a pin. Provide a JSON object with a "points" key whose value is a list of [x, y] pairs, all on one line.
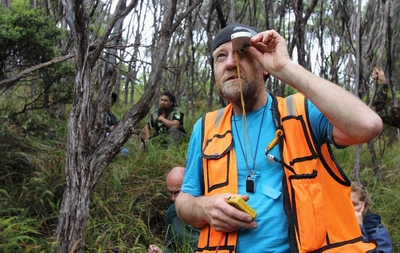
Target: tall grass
{"points": [[128, 208], [31, 182]]}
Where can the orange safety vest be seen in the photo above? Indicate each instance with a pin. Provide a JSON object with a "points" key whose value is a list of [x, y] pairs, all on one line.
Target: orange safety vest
{"points": [[316, 191]]}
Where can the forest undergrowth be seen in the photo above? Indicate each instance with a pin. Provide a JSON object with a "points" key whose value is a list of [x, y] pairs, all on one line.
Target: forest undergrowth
{"points": [[129, 205]]}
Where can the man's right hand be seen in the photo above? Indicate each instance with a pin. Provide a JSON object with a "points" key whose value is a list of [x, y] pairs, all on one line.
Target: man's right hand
{"points": [[213, 210], [378, 74], [225, 218]]}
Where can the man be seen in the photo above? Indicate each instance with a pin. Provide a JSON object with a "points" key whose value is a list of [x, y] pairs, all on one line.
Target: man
{"points": [[389, 114], [112, 121], [178, 233], [167, 119], [234, 151]]}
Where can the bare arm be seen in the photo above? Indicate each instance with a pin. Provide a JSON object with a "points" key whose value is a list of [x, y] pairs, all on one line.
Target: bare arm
{"points": [[353, 121], [213, 210], [147, 131]]}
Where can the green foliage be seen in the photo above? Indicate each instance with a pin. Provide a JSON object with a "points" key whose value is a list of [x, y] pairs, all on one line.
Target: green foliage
{"points": [[26, 35], [31, 181], [27, 38], [128, 208], [18, 235], [185, 238]]}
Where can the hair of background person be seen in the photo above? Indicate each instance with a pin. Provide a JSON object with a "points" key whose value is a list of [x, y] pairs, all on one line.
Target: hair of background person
{"points": [[363, 194], [171, 97]]}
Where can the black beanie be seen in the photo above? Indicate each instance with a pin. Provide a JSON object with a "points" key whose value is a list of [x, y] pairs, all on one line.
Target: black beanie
{"points": [[225, 34]]}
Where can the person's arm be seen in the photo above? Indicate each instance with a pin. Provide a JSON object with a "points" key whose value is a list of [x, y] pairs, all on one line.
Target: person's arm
{"points": [[111, 122], [379, 75], [389, 114], [176, 118], [147, 133], [353, 121], [213, 210], [169, 123], [382, 238]]}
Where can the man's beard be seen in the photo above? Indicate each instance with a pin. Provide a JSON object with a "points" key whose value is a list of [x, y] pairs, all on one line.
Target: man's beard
{"points": [[231, 91], [164, 108]]}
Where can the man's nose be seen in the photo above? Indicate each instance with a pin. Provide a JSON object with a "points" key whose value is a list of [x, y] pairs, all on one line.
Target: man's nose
{"points": [[231, 62]]}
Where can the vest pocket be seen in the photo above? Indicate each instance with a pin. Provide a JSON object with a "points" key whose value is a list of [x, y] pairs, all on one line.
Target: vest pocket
{"points": [[308, 207]]}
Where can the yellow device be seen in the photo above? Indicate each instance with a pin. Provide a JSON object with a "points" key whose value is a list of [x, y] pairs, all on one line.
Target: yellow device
{"points": [[240, 204]]}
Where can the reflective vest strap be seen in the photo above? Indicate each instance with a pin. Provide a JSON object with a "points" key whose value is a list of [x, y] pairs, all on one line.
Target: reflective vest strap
{"points": [[294, 123], [219, 173], [219, 161], [290, 109]]}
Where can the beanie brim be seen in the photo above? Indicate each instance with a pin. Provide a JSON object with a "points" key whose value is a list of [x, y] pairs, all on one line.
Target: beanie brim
{"points": [[225, 34]]}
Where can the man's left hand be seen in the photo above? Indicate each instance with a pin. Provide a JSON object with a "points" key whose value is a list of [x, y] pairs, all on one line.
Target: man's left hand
{"points": [[270, 50]]}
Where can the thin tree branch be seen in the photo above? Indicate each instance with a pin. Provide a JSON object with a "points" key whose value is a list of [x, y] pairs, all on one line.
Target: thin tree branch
{"points": [[6, 83]]}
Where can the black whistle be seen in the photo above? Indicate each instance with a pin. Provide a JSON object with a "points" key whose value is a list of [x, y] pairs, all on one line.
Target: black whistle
{"points": [[249, 184]]}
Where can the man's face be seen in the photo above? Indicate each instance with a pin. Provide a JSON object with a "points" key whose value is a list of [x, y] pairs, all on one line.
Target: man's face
{"points": [[165, 103], [173, 188], [226, 75]]}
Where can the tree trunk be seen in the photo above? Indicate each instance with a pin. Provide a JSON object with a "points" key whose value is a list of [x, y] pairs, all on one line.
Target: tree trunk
{"points": [[86, 157], [357, 83], [88, 152], [74, 210], [299, 30]]}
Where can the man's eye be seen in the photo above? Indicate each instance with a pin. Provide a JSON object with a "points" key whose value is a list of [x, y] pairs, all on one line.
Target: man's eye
{"points": [[221, 55]]}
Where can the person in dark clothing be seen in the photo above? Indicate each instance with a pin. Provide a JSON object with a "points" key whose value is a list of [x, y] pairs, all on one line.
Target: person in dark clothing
{"points": [[370, 223], [178, 233], [112, 121], [389, 114]]}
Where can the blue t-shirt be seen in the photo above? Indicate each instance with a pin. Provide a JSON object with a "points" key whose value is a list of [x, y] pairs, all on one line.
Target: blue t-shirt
{"points": [[272, 232]]}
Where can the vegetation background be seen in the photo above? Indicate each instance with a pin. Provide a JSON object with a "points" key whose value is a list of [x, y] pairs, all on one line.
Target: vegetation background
{"points": [[129, 204], [44, 89]]}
